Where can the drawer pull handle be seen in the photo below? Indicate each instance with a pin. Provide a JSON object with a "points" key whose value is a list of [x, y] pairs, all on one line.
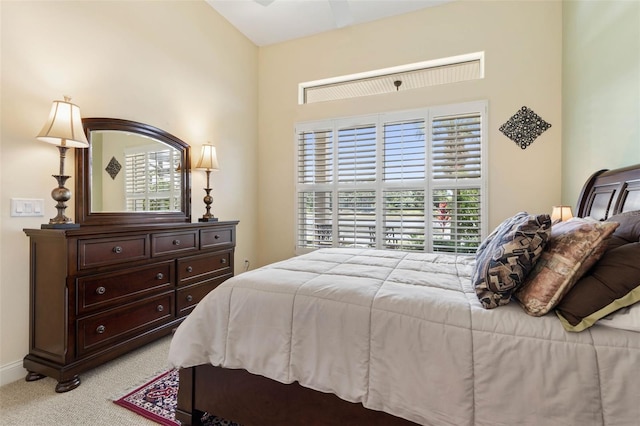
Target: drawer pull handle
{"points": [[189, 269], [189, 298], [101, 290], [160, 276], [117, 249], [223, 261], [101, 329], [176, 242], [217, 237], [160, 308]]}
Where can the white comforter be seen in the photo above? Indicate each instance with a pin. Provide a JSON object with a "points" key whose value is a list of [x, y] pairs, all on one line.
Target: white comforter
{"points": [[404, 333]]}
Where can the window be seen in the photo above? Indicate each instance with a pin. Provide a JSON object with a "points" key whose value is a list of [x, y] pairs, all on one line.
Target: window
{"points": [[434, 72], [152, 179], [410, 181]]}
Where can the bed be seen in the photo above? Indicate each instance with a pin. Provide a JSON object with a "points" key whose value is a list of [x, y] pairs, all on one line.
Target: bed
{"points": [[357, 336]]}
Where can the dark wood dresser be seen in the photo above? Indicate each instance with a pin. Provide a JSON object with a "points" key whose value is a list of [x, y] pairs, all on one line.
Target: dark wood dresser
{"points": [[97, 292]]}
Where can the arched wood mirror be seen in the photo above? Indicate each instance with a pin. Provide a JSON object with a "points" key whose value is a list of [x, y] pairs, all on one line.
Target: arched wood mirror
{"points": [[131, 173]]}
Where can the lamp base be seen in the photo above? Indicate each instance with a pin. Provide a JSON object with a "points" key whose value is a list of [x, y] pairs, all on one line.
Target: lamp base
{"points": [[59, 225], [208, 219]]}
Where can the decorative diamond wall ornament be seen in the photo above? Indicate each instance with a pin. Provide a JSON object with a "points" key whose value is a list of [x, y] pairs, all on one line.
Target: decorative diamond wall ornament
{"points": [[524, 127], [113, 168]]}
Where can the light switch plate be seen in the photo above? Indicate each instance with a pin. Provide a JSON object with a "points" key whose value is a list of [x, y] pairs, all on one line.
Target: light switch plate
{"points": [[23, 207]]}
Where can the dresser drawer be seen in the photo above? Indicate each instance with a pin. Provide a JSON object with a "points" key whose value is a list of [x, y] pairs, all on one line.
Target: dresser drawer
{"points": [[197, 268], [106, 251], [173, 242], [107, 328], [217, 237], [188, 297], [104, 290]]}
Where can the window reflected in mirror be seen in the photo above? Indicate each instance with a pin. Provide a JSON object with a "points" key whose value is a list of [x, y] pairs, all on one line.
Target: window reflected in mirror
{"points": [[134, 173]]}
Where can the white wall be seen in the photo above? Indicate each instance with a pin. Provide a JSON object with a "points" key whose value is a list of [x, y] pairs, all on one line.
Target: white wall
{"points": [[601, 89], [522, 42], [175, 65]]}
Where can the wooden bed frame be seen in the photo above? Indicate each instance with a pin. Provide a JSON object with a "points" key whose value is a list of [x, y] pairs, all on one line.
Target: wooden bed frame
{"points": [[253, 400]]}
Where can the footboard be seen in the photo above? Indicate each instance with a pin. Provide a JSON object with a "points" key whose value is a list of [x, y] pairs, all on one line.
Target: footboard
{"points": [[253, 400]]}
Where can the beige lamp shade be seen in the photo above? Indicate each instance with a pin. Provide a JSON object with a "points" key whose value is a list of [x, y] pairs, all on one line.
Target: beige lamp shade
{"points": [[561, 214], [208, 158], [64, 126]]}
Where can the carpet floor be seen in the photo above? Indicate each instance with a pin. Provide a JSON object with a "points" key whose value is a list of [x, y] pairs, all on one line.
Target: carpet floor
{"points": [[157, 399], [37, 404]]}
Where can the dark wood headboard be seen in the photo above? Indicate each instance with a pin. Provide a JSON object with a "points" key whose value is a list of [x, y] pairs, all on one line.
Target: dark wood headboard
{"points": [[609, 192]]}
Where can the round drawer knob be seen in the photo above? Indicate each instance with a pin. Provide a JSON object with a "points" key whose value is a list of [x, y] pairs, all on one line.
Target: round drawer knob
{"points": [[160, 276], [189, 298], [160, 308], [101, 329], [223, 261], [189, 269], [117, 249], [176, 242], [101, 290], [217, 237]]}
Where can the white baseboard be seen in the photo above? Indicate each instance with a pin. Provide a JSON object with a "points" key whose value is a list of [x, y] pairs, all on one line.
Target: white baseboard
{"points": [[11, 372]]}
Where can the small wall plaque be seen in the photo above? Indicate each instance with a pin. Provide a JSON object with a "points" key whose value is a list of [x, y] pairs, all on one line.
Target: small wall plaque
{"points": [[113, 168], [524, 127]]}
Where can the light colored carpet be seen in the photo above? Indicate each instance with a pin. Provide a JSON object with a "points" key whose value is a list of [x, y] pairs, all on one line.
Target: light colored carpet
{"points": [[37, 403]]}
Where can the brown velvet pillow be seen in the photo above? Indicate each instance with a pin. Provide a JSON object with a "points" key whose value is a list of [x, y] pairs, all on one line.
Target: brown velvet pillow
{"points": [[613, 283], [573, 247]]}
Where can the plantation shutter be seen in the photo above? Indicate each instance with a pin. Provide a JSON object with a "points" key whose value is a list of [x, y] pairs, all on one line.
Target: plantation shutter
{"points": [[152, 180], [135, 181], [456, 192], [315, 156], [403, 220], [357, 154], [357, 218], [315, 206], [410, 180], [315, 212], [404, 151], [404, 162]]}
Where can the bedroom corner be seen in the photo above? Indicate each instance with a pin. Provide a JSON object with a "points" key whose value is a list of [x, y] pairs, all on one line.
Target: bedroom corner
{"points": [[178, 66]]}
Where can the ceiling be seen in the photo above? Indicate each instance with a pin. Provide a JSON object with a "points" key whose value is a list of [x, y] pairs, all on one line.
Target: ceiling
{"points": [[267, 22]]}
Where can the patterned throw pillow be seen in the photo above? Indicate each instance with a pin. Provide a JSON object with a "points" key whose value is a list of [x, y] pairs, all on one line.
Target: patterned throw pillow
{"points": [[505, 257], [573, 248]]}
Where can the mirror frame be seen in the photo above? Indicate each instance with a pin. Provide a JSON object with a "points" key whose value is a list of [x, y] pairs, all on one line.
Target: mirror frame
{"points": [[83, 213]]}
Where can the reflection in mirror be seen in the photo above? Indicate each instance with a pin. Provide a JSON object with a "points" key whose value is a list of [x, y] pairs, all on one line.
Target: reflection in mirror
{"points": [[133, 173]]}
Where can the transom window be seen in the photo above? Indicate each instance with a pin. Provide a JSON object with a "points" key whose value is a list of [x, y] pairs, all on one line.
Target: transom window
{"points": [[410, 181]]}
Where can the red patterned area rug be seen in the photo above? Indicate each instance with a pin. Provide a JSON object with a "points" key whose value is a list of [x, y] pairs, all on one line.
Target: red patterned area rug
{"points": [[157, 400]]}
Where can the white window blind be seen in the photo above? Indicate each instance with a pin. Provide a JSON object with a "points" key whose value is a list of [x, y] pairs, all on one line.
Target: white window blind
{"points": [[409, 181], [357, 154], [357, 218], [403, 220], [456, 191], [152, 179]]}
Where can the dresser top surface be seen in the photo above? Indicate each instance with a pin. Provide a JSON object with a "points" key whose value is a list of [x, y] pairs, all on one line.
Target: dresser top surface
{"points": [[116, 229]]}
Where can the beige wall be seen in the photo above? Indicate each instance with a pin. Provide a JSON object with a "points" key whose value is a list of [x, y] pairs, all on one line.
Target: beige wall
{"points": [[176, 65], [601, 89], [522, 42]]}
